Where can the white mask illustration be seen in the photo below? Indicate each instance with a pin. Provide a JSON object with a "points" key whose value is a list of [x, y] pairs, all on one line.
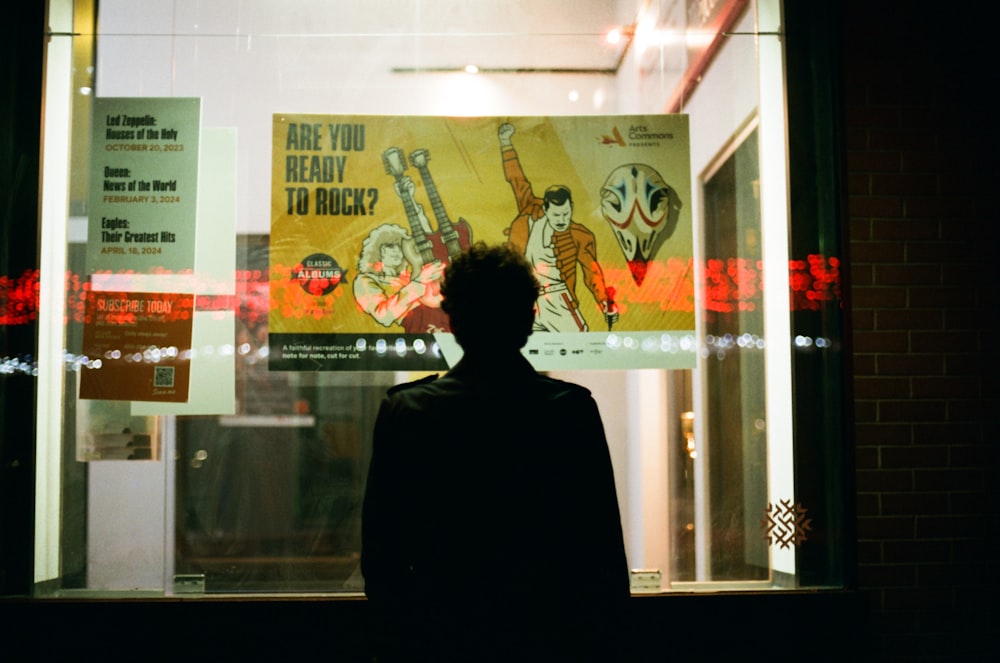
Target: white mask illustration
{"points": [[642, 210]]}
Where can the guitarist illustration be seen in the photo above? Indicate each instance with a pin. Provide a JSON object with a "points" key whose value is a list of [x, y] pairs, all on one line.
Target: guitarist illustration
{"points": [[399, 274], [392, 285]]}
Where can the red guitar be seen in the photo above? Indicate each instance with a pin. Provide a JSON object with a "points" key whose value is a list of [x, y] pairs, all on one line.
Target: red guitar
{"points": [[451, 239], [395, 165]]}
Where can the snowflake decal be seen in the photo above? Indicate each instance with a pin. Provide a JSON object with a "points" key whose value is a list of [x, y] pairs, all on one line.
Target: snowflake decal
{"points": [[785, 524]]}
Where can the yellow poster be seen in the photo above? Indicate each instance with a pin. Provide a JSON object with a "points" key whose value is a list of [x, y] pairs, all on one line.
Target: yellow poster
{"points": [[367, 210]]}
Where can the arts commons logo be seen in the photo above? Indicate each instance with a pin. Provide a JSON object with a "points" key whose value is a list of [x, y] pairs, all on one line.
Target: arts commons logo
{"points": [[637, 135]]}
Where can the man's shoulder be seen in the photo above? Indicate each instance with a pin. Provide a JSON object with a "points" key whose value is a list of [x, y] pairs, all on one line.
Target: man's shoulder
{"points": [[516, 375], [557, 388], [399, 388], [579, 230]]}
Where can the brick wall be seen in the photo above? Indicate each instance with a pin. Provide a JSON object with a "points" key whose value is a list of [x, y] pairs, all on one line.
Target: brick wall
{"points": [[922, 211]]}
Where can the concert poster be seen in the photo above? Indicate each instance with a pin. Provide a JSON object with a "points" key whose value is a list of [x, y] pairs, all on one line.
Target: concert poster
{"points": [[366, 211]]}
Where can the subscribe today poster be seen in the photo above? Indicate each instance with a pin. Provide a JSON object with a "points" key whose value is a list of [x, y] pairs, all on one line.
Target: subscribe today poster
{"points": [[366, 211]]}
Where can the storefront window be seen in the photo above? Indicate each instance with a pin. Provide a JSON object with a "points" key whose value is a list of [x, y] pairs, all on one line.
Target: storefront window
{"points": [[252, 479]]}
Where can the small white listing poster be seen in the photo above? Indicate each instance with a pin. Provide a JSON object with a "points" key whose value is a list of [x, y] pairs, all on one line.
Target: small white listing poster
{"points": [[143, 185]]}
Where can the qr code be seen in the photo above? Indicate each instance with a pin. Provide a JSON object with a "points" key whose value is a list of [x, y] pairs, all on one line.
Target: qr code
{"points": [[163, 376]]}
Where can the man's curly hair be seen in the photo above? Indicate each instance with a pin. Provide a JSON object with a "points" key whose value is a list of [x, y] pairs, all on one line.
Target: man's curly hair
{"points": [[489, 295]]}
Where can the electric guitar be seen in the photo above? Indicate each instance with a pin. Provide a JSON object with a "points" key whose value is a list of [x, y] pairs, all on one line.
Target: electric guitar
{"points": [[454, 237], [395, 165]]}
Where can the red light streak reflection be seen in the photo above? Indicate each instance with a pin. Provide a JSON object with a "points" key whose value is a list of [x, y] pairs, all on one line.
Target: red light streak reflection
{"points": [[731, 284]]}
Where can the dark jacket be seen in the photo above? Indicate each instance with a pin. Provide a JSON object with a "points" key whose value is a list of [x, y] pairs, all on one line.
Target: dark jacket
{"points": [[491, 528]]}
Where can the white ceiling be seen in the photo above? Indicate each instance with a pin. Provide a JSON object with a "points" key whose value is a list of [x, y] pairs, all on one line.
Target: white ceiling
{"points": [[429, 35], [249, 59]]}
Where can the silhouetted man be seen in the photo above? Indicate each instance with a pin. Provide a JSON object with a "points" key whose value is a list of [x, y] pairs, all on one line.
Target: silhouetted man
{"points": [[491, 529]]}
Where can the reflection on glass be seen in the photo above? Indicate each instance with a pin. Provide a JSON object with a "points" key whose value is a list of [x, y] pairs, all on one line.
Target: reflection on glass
{"points": [[734, 367], [271, 497], [268, 499]]}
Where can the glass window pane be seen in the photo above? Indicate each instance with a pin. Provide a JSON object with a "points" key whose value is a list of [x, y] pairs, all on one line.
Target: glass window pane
{"points": [[266, 497]]}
